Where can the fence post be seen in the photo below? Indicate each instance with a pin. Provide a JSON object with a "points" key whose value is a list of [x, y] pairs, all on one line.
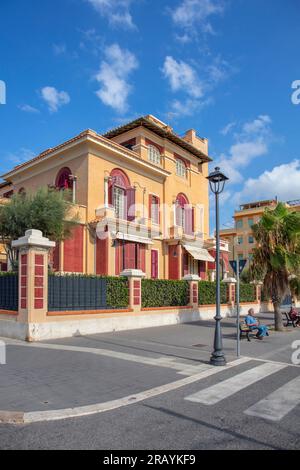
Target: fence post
{"points": [[258, 291], [231, 283], [193, 280], [135, 277], [33, 277]]}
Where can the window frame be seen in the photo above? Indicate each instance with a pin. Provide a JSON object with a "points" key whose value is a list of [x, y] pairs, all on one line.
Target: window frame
{"points": [[117, 190], [154, 154], [181, 165], [156, 220]]}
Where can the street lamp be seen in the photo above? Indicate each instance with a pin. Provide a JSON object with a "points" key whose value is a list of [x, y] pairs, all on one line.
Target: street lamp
{"points": [[217, 181]]}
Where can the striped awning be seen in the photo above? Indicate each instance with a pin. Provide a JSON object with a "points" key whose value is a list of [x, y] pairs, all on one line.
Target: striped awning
{"points": [[132, 238], [200, 254]]}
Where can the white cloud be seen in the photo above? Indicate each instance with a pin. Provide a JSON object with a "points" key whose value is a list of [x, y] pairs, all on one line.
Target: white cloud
{"points": [[192, 14], [252, 142], [28, 109], [54, 98], [282, 181], [261, 124], [182, 77], [116, 11], [113, 77], [228, 128]]}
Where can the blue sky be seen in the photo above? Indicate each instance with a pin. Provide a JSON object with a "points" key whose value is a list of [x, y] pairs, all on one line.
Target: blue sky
{"points": [[223, 67]]}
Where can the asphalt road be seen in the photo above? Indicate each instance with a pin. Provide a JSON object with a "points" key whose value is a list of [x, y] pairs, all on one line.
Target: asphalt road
{"points": [[252, 405]]}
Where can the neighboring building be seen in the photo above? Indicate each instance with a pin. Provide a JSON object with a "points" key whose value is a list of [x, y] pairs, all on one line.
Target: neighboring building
{"points": [[240, 237], [142, 186]]}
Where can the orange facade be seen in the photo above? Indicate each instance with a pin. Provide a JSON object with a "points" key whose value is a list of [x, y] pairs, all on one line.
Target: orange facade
{"points": [[141, 194]]}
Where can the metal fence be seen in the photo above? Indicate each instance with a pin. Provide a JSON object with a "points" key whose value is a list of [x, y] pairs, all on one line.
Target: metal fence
{"points": [[9, 292], [67, 293]]}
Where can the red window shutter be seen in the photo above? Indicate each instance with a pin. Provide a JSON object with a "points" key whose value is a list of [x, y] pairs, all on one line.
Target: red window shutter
{"points": [[141, 261], [185, 264], [73, 251], [130, 197], [202, 270], [118, 257], [111, 193], [102, 256], [188, 213], [55, 258], [154, 264], [174, 262], [130, 255], [193, 220]]}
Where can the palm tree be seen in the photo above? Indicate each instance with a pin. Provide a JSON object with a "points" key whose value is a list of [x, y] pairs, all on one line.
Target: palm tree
{"points": [[277, 255]]}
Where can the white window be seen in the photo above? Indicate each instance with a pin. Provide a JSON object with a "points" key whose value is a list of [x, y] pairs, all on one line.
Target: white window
{"points": [[180, 216], [180, 168], [153, 155], [155, 209], [119, 202]]}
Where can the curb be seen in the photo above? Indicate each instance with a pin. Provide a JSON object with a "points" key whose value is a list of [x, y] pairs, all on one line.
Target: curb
{"points": [[12, 417]]}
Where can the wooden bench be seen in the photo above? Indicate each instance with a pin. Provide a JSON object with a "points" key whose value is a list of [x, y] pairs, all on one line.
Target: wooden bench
{"points": [[245, 330]]}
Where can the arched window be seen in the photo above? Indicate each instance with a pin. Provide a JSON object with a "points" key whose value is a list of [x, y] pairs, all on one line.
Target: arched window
{"points": [[63, 180], [181, 168], [154, 155], [181, 203], [121, 195], [184, 214]]}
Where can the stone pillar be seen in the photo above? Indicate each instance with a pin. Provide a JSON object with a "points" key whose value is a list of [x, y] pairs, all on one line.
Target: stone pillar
{"points": [[193, 284], [33, 276], [231, 288], [258, 291], [135, 277]]}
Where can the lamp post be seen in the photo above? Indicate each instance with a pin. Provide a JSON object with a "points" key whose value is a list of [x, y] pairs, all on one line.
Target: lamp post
{"points": [[217, 182]]}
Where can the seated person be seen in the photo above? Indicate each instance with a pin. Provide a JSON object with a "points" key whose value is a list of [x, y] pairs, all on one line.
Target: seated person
{"points": [[294, 314], [253, 324]]}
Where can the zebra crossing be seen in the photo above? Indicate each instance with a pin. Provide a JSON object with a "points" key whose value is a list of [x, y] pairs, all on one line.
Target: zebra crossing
{"points": [[273, 407]]}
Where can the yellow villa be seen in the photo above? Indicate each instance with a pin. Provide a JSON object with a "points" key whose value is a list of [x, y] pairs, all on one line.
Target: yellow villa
{"points": [[141, 194]]}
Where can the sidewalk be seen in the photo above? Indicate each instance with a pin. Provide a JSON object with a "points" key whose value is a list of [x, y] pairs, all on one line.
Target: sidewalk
{"points": [[83, 371]]}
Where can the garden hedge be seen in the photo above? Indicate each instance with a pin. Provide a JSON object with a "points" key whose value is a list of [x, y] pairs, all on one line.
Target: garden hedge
{"points": [[247, 293], [207, 293], [164, 293]]}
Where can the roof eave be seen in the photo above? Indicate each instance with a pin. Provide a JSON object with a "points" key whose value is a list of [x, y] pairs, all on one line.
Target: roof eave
{"points": [[143, 122]]}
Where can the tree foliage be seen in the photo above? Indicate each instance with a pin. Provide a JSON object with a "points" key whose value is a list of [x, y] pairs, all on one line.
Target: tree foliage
{"points": [[277, 255], [47, 210]]}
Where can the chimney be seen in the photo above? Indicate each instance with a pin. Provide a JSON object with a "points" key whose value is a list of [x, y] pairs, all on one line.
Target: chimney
{"points": [[201, 144]]}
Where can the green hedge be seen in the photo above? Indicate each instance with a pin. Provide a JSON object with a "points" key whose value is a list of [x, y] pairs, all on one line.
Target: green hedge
{"points": [[164, 293], [207, 293], [247, 293], [8, 273], [117, 292]]}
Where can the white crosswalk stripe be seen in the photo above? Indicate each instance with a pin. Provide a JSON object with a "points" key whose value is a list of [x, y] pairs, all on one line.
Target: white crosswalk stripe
{"points": [[227, 388], [279, 403]]}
